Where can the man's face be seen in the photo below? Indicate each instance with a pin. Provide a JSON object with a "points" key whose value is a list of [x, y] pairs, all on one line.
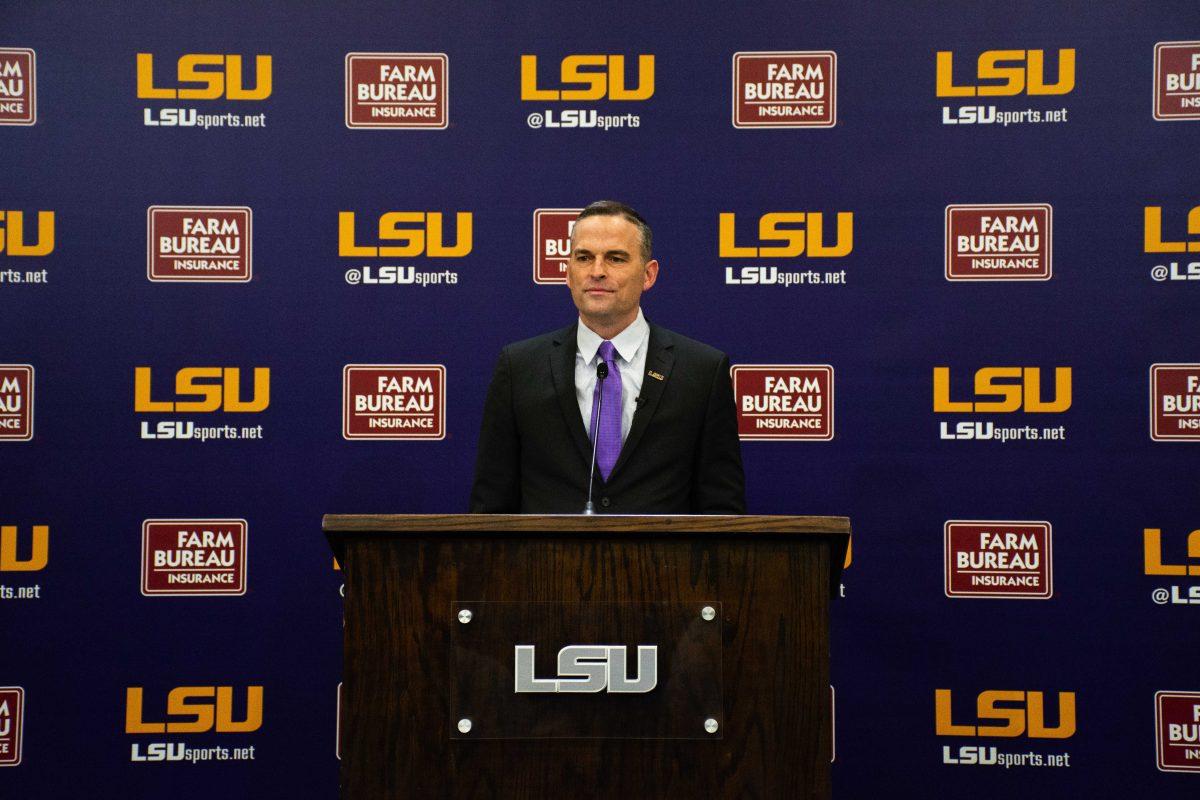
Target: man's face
{"points": [[606, 273]]}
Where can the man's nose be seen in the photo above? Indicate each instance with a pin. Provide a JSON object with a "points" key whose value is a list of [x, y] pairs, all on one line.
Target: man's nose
{"points": [[599, 269]]}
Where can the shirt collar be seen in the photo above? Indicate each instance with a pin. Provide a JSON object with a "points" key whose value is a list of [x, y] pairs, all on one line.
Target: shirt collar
{"points": [[626, 342]]}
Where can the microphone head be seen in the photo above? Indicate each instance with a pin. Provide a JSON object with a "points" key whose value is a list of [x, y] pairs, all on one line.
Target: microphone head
{"points": [[602, 370]]}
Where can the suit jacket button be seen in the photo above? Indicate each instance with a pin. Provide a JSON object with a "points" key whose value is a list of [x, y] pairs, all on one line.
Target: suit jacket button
{"points": [[604, 501]]}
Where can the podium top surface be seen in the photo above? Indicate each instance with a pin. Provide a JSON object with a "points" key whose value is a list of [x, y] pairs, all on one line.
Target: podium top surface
{"points": [[746, 524], [339, 528]]}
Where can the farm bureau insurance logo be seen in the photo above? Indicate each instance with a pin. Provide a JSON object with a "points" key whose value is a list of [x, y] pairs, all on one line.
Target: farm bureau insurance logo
{"points": [[12, 724], [785, 90], [201, 390], [1176, 81], [197, 557], [1001, 390], [394, 401], [205, 77], [192, 710], [397, 90], [784, 236], [1177, 731], [1155, 242], [552, 243], [586, 79], [18, 86], [788, 402], [1172, 565], [989, 558], [998, 242], [404, 235], [1003, 74], [1023, 714], [16, 402], [1175, 402], [199, 243]]}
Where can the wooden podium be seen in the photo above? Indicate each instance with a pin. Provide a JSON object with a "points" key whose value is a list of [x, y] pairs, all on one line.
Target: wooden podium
{"points": [[570, 656]]}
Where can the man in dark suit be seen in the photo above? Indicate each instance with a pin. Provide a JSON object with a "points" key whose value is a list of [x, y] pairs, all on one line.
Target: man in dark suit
{"points": [[660, 404]]}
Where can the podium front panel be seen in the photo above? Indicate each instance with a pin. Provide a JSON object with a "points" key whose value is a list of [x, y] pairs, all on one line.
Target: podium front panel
{"points": [[578, 669], [409, 665]]}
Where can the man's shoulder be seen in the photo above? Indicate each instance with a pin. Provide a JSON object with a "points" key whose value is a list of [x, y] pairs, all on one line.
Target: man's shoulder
{"points": [[692, 348], [535, 345]]}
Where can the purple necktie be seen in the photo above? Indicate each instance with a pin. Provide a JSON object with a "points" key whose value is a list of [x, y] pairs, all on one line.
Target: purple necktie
{"points": [[608, 446]]}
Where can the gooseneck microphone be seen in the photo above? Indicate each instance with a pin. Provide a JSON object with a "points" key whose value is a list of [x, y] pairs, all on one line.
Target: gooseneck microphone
{"points": [[601, 374]]}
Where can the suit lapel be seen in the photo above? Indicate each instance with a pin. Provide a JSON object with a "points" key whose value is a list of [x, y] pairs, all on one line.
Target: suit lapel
{"points": [[660, 357], [562, 370]]}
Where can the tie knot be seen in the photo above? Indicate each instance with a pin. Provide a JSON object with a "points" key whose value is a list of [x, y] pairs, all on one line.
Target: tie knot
{"points": [[606, 352]]}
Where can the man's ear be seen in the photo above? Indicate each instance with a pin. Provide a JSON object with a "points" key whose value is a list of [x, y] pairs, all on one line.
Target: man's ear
{"points": [[651, 275]]}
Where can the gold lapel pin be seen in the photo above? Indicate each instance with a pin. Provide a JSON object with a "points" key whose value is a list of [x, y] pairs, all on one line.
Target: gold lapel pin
{"points": [[656, 375]]}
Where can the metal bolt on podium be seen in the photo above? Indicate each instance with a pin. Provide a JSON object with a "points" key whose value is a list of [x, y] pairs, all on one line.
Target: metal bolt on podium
{"points": [[708, 613], [710, 725], [464, 725], [464, 616]]}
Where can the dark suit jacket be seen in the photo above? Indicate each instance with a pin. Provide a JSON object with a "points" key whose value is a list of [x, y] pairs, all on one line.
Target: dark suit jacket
{"points": [[682, 453]]}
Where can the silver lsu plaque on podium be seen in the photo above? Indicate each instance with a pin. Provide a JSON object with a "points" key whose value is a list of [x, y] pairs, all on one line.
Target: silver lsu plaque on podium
{"points": [[588, 668]]}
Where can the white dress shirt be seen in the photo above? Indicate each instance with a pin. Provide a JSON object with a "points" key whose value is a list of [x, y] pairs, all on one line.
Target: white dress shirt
{"points": [[631, 345]]}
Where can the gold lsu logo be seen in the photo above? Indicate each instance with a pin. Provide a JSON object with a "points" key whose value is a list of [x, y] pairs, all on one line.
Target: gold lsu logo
{"points": [[10, 561], [196, 709], [1025, 394], [1022, 713], [215, 76], [1153, 237], [12, 234], [217, 389], [1016, 71], [408, 233], [598, 77], [1152, 551], [796, 232]]}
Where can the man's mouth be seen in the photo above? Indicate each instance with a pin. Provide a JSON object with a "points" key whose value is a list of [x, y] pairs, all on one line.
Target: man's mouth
{"points": [[597, 290]]}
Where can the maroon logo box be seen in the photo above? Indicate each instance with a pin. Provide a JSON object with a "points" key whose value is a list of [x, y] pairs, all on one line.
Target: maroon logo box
{"points": [[785, 402], [16, 402], [199, 243], [1177, 731], [785, 89], [1176, 81], [1175, 402], [12, 722], [394, 401], [552, 243], [196, 557], [397, 90], [1010, 242], [18, 86], [999, 559]]}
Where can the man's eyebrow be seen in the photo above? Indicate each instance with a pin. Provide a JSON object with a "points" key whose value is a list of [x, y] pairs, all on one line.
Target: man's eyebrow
{"points": [[615, 252]]}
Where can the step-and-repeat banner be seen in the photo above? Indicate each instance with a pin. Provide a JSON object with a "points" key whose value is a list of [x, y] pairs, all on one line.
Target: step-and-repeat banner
{"points": [[257, 261]]}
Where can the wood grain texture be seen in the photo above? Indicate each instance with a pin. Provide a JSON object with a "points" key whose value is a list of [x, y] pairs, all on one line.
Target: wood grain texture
{"points": [[397, 713]]}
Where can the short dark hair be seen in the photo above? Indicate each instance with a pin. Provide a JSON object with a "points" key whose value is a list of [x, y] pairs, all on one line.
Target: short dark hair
{"points": [[612, 208]]}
